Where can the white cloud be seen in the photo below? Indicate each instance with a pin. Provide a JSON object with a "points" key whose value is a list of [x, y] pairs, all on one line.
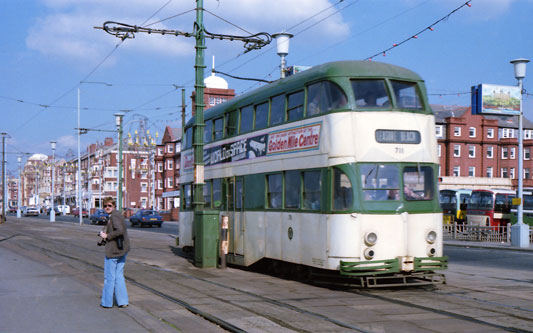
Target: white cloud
{"points": [[67, 141], [67, 31]]}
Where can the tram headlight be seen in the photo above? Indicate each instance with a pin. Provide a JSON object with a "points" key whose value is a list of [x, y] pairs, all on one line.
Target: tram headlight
{"points": [[431, 251], [369, 253], [431, 237], [371, 238]]}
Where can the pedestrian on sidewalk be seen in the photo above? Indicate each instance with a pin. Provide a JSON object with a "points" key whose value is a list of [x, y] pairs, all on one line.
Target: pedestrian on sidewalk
{"points": [[116, 250]]}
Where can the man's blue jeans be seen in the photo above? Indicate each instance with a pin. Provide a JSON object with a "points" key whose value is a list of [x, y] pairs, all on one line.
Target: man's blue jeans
{"points": [[114, 282]]}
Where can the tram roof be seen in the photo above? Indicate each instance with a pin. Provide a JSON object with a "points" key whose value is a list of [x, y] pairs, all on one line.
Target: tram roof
{"points": [[347, 68]]}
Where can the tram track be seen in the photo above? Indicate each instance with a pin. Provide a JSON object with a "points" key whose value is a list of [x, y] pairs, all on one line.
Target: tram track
{"points": [[443, 312], [193, 309], [56, 248]]}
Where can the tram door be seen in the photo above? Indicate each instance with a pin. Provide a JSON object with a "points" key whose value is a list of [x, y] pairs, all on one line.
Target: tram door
{"points": [[235, 212]]}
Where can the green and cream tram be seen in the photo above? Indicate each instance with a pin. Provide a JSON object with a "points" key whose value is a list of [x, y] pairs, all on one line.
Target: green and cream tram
{"points": [[334, 167]]}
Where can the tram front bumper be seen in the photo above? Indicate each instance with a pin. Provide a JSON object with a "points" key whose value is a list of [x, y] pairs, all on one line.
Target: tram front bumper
{"points": [[396, 265]]}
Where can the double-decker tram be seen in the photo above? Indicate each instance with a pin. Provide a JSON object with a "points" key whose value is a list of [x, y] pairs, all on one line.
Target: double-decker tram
{"points": [[333, 168]]}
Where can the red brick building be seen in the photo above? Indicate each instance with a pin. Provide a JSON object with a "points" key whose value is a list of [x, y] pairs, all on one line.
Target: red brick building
{"points": [[481, 145]]}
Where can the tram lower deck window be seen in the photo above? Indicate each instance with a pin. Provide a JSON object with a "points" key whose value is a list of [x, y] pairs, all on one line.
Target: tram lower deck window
{"points": [[342, 190]]}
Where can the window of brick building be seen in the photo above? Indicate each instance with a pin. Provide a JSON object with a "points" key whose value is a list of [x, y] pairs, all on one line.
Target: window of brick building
{"points": [[438, 131], [513, 173], [472, 132], [507, 133], [456, 171], [472, 151], [512, 153], [490, 173], [527, 173], [490, 152], [471, 171], [505, 153], [457, 151], [490, 133], [504, 173], [528, 134], [439, 150], [457, 131], [527, 153]]}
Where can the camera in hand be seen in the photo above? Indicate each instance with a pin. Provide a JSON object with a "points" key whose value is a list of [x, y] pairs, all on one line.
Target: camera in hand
{"points": [[102, 242]]}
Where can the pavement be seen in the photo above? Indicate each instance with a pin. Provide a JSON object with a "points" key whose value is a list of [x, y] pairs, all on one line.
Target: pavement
{"points": [[37, 298]]}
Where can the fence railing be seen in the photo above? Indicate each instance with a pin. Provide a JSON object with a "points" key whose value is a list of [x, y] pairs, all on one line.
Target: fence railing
{"points": [[499, 234]]}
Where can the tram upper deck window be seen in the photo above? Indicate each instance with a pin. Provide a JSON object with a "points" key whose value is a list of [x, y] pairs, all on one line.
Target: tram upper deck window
{"points": [[418, 183], [407, 95], [380, 181], [208, 131], [219, 126], [188, 138], [370, 94], [503, 202], [324, 96], [295, 105], [342, 190], [247, 119], [261, 116], [277, 110], [231, 123]]}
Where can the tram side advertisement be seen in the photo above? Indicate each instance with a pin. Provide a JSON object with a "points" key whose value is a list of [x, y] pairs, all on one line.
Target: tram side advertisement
{"points": [[290, 140]]}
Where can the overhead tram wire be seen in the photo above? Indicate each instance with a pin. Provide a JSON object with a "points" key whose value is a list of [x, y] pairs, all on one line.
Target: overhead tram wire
{"points": [[295, 34], [329, 47], [416, 35]]}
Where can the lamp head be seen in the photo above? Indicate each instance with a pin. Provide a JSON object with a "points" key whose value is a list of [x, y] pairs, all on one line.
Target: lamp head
{"points": [[53, 145], [519, 68], [282, 42]]}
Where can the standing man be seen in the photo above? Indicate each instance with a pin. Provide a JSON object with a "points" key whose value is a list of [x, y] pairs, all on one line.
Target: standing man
{"points": [[116, 250]]}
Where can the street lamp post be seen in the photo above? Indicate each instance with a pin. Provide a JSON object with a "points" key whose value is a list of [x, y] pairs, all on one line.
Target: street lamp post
{"points": [[19, 197], [520, 231], [52, 211], [118, 120], [282, 45], [3, 217]]}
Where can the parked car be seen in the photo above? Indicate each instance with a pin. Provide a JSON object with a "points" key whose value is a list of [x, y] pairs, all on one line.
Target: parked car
{"points": [[84, 212], [31, 211], [99, 216], [146, 217], [64, 209], [12, 209], [56, 210]]}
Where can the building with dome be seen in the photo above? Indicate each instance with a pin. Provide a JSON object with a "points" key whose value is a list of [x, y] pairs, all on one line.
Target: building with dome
{"points": [[216, 91]]}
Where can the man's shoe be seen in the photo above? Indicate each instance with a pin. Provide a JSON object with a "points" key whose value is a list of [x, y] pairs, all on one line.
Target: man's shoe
{"points": [[105, 307], [123, 306]]}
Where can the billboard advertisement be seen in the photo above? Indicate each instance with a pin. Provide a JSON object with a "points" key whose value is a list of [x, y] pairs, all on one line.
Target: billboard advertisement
{"points": [[496, 100]]}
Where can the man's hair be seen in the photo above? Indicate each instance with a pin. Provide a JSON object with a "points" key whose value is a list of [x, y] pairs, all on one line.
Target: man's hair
{"points": [[111, 200]]}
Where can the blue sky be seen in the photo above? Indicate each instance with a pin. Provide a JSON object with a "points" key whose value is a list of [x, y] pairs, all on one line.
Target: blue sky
{"points": [[49, 46]]}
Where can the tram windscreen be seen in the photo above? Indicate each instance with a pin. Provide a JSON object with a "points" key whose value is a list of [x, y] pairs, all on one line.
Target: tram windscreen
{"points": [[380, 181], [418, 183], [370, 94], [407, 96]]}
